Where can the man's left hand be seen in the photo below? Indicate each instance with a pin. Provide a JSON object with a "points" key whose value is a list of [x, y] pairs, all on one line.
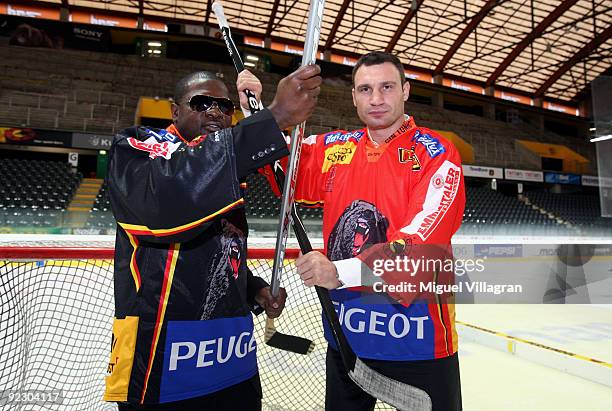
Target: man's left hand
{"points": [[273, 306], [316, 269], [247, 81]]}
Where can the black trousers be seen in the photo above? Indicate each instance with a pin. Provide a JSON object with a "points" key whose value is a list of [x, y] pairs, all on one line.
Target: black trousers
{"points": [[242, 396], [439, 378]]}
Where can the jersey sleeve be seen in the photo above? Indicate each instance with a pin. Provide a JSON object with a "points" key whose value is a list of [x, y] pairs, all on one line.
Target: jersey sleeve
{"points": [[309, 190], [166, 192], [437, 198]]}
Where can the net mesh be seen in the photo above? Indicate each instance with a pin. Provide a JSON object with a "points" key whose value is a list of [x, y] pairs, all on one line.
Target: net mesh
{"points": [[56, 326]]}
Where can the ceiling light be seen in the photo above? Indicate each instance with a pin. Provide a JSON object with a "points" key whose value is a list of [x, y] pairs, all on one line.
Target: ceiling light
{"points": [[252, 57], [601, 138], [154, 44], [249, 64], [156, 51], [592, 129]]}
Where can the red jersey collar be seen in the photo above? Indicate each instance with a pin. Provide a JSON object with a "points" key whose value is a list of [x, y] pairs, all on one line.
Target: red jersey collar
{"points": [[406, 125], [173, 130]]}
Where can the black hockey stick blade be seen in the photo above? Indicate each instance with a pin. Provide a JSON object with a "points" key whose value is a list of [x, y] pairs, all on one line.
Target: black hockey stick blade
{"points": [[286, 342]]}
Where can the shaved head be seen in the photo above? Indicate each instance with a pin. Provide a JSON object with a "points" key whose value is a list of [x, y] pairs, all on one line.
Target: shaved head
{"points": [[183, 85], [189, 122]]}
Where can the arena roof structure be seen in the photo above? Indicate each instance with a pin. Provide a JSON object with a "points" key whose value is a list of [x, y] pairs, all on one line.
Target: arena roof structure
{"points": [[544, 48]]}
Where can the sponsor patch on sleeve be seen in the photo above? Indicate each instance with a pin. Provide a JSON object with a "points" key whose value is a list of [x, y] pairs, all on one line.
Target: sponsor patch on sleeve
{"points": [[343, 137], [160, 135], [432, 144]]}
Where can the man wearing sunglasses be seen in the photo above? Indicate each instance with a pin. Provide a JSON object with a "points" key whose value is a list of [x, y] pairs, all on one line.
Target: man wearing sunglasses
{"points": [[183, 329]]}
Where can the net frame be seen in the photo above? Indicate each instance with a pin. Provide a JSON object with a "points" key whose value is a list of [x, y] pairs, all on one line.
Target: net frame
{"points": [[56, 325]]}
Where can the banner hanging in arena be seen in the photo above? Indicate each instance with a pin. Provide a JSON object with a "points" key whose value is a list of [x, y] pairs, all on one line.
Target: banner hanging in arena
{"points": [[484, 172], [561, 178], [524, 175], [31, 11], [32, 136], [27, 32], [94, 141]]}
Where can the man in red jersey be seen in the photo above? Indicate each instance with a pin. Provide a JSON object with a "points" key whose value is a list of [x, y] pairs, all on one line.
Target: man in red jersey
{"points": [[391, 185]]}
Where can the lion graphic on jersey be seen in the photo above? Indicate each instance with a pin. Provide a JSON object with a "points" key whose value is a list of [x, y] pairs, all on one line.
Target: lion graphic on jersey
{"points": [[225, 265], [360, 226]]}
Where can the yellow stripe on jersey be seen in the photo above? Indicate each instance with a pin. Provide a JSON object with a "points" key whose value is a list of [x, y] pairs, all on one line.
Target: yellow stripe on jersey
{"points": [[455, 337], [133, 266], [161, 232], [308, 203]]}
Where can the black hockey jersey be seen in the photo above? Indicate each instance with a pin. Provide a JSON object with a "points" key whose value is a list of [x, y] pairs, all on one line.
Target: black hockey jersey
{"points": [[183, 293]]}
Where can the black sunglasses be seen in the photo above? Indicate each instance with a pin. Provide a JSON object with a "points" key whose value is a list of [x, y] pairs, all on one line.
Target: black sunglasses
{"points": [[202, 103]]}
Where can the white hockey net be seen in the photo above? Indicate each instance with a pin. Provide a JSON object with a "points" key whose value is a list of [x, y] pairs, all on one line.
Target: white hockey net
{"points": [[56, 310]]}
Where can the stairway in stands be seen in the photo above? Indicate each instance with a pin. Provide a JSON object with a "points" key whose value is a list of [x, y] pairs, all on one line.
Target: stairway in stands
{"points": [[80, 206]]}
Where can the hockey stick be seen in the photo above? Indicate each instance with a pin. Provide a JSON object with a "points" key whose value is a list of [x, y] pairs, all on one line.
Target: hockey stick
{"points": [[402, 396], [272, 337], [395, 393]]}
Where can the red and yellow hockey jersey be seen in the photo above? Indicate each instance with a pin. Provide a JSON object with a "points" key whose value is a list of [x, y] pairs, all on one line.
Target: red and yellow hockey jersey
{"points": [[409, 188]]}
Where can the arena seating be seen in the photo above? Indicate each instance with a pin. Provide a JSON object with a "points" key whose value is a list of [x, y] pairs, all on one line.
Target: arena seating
{"points": [[100, 215], [488, 212], [98, 92], [580, 210], [35, 193], [261, 202]]}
